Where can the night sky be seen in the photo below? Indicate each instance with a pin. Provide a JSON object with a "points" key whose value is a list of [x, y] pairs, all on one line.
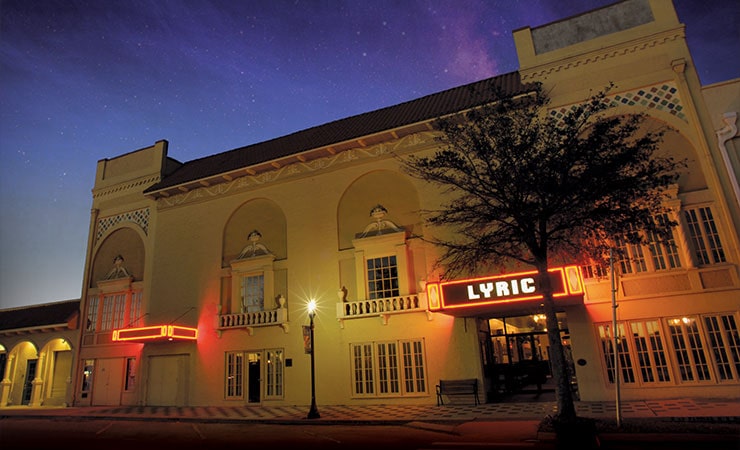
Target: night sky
{"points": [[81, 81]]}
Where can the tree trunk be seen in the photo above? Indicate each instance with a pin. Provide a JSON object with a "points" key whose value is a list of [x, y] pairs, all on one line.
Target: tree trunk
{"points": [[566, 406]]}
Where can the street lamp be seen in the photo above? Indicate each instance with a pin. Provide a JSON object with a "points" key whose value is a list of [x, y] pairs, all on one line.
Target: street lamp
{"points": [[313, 413]]}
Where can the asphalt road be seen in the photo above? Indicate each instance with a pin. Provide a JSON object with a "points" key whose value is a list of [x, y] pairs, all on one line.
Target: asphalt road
{"points": [[29, 434], [74, 432]]}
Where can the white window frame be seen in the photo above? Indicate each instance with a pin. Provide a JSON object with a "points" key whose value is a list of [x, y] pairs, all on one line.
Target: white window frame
{"points": [[135, 308], [256, 266], [115, 304], [382, 277], [663, 255], [272, 372], [382, 246], [689, 350], [252, 292], [724, 343], [657, 255], [92, 312], [234, 371], [704, 235], [395, 368]]}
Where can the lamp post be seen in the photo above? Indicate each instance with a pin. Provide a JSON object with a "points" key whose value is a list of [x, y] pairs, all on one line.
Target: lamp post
{"points": [[616, 338], [313, 413]]}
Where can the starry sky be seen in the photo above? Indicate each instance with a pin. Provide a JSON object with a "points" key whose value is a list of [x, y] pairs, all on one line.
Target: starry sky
{"points": [[84, 80]]}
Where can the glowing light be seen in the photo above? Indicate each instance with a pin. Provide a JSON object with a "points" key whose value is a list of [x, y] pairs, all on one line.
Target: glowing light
{"points": [[518, 287], [433, 295], [155, 332]]}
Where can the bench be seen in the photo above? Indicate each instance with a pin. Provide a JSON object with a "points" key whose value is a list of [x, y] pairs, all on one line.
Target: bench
{"points": [[449, 388]]}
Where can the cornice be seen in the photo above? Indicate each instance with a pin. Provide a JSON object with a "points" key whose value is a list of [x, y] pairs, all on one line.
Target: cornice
{"points": [[606, 53], [413, 142], [131, 185]]}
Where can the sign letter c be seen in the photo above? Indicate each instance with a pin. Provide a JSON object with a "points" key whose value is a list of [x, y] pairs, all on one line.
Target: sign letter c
{"points": [[527, 285]]}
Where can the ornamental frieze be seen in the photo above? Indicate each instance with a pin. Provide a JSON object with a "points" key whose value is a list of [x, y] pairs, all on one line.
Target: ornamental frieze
{"points": [[414, 142]]}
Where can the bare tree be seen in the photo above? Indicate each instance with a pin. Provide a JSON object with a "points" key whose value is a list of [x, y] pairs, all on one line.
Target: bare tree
{"points": [[529, 187]]}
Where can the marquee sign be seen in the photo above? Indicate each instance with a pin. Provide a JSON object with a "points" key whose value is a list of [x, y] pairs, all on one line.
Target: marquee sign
{"points": [[520, 288], [155, 333]]}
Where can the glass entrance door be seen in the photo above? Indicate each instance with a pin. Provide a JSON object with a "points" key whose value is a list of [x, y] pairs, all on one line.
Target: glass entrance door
{"points": [[520, 361], [254, 380], [28, 381]]}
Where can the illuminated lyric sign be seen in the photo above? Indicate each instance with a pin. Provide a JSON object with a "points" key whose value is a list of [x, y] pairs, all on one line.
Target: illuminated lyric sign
{"points": [[156, 333], [503, 289]]}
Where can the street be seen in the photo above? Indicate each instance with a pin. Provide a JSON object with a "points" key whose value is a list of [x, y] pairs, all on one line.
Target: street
{"points": [[67, 432], [29, 434]]}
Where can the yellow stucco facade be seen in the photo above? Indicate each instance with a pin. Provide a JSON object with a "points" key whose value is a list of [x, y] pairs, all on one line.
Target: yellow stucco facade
{"points": [[191, 253], [236, 252]]}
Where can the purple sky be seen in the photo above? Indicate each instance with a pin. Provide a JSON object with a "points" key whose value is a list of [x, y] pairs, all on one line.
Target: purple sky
{"points": [[82, 81]]}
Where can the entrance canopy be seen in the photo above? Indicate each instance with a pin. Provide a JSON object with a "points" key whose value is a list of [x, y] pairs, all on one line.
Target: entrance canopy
{"points": [[155, 333], [497, 294]]}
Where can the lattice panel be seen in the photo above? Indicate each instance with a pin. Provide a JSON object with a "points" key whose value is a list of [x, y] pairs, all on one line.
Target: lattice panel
{"points": [[661, 97], [139, 217]]}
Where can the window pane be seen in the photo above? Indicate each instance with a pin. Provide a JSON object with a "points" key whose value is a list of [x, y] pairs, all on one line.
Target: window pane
{"points": [[650, 352], [107, 319], [710, 229], [382, 277], [658, 351], [253, 293], [704, 236], [119, 308], [135, 312], [718, 348], [234, 374], [625, 361], [607, 349], [274, 374], [92, 313], [390, 366]]}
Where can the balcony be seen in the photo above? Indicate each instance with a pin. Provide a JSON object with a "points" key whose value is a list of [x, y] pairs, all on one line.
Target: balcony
{"points": [[382, 307], [251, 320]]}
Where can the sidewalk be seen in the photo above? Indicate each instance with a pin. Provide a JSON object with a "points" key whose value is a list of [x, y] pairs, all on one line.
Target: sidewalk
{"points": [[511, 425], [724, 410]]}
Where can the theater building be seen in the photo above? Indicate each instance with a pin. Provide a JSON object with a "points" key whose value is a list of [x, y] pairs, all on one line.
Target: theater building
{"points": [[198, 273]]}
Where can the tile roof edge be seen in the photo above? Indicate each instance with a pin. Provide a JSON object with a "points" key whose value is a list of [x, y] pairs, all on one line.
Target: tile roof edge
{"points": [[40, 305], [162, 184]]}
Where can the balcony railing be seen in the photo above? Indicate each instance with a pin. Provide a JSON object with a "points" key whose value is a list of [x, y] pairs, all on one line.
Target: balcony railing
{"points": [[252, 320], [382, 307]]}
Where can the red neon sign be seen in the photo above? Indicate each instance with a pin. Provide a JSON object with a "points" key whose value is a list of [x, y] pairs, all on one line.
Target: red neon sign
{"points": [[155, 333], [503, 289]]}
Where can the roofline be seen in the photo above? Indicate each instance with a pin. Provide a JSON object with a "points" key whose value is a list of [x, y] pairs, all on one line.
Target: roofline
{"points": [[36, 329], [320, 151], [39, 305]]}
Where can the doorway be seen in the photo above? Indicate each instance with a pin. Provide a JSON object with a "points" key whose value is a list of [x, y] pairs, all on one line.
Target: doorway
{"points": [[518, 356], [253, 377], [108, 382], [167, 381], [28, 381]]}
